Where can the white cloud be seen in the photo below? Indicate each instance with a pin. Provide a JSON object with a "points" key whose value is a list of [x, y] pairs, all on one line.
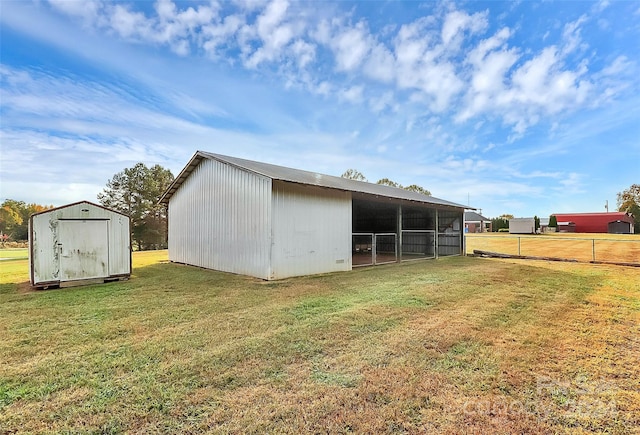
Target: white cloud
{"points": [[421, 66], [304, 52], [215, 35], [129, 24], [601, 6], [352, 94], [350, 46], [380, 65], [620, 65], [384, 101], [571, 35], [434, 62], [456, 22], [88, 10], [491, 61], [273, 31]]}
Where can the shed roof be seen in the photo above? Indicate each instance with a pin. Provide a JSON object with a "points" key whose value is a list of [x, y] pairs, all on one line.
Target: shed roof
{"points": [[49, 210], [291, 175]]}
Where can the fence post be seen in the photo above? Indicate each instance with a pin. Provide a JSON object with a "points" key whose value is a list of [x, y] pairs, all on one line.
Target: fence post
{"points": [[519, 245], [594, 249]]}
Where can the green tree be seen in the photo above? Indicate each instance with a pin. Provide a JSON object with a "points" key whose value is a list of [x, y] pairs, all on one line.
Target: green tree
{"points": [[387, 182], [629, 202], [499, 223], [553, 221], [536, 221], [411, 188], [135, 192], [14, 218], [10, 220], [353, 174], [419, 189]]}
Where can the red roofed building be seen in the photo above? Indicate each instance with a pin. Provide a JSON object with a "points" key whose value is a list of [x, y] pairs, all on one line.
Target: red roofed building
{"points": [[614, 222]]}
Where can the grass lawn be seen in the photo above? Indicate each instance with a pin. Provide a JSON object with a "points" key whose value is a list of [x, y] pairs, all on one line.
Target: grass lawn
{"points": [[446, 346], [14, 253]]}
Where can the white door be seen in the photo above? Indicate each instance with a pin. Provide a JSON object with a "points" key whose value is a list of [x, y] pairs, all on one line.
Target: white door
{"points": [[84, 249]]}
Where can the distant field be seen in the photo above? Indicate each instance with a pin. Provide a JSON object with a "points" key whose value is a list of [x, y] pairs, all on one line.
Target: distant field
{"points": [[581, 247], [454, 345], [14, 253]]}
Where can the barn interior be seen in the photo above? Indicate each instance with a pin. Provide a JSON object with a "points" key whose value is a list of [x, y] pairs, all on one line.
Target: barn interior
{"points": [[387, 230]]}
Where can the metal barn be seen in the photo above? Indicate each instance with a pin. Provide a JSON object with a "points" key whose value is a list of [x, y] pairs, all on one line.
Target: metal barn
{"points": [[598, 222], [78, 244], [273, 222]]}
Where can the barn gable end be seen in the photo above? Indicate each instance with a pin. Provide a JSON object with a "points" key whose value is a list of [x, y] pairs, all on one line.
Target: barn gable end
{"points": [[220, 218]]}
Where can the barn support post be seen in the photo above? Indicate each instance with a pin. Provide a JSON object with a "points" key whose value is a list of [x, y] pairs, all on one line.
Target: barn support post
{"points": [[399, 236], [463, 228], [437, 236]]}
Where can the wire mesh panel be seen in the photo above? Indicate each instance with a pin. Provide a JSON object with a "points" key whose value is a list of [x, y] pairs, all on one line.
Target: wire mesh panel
{"points": [[362, 249], [417, 245], [385, 248]]}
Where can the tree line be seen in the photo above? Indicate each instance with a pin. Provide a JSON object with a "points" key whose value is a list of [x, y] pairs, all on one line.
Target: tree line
{"points": [[14, 219], [353, 174]]}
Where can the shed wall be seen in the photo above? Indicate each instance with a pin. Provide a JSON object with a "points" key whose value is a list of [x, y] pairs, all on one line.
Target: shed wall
{"points": [[522, 226], [44, 238], [220, 218], [311, 230]]}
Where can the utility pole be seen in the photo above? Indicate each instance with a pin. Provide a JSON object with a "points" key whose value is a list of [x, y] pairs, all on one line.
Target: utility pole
{"points": [[606, 205]]}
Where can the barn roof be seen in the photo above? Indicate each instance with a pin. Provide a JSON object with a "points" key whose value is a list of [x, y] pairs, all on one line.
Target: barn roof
{"points": [[609, 214], [291, 175]]}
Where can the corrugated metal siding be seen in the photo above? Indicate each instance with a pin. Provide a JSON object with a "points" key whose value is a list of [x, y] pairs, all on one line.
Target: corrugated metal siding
{"points": [[220, 218], [522, 226], [311, 230], [44, 238]]}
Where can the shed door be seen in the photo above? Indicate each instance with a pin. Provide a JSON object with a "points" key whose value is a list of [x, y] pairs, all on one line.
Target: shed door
{"points": [[84, 249]]}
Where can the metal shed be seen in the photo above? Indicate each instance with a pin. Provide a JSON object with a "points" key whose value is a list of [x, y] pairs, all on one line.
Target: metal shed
{"points": [[522, 226], [273, 222], [620, 227], [78, 244]]}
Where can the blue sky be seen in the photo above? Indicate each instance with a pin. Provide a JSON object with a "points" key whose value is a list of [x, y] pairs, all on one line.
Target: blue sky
{"points": [[512, 107]]}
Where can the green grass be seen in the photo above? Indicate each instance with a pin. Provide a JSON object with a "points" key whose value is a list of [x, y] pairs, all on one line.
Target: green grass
{"points": [[14, 254], [453, 345]]}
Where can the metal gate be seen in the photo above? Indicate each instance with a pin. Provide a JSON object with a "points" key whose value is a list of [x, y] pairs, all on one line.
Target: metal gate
{"points": [[369, 249]]}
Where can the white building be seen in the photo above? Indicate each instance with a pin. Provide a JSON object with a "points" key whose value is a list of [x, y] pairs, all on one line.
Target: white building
{"points": [[78, 243], [273, 222], [522, 226]]}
